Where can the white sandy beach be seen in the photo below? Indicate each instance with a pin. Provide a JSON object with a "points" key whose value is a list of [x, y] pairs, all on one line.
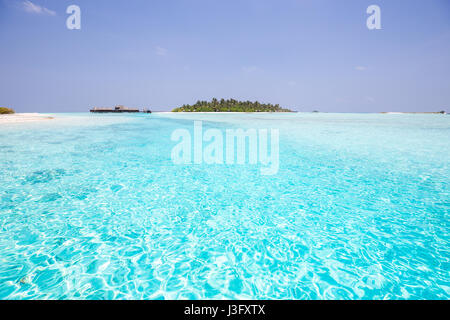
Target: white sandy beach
{"points": [[23, 117]]}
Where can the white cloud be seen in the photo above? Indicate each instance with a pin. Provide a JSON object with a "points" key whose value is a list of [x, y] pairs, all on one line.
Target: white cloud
{"points": [[31, 7], [360, 68], [161, 51]]}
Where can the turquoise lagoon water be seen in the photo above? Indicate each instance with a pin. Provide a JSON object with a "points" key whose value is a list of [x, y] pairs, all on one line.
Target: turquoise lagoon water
{"points": [[92, 207]]}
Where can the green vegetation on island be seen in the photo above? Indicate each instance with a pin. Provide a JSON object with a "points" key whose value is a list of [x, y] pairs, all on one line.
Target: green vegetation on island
{"points": [[230, 105], [6, 110]]}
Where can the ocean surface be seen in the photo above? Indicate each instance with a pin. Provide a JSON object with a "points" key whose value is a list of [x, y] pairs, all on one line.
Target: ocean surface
{"points": [[93, 207]]}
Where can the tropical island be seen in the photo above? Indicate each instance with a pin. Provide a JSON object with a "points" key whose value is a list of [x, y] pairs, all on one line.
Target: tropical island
{"points": [[230, 105]]}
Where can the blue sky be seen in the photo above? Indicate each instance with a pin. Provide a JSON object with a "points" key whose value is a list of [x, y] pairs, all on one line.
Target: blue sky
{"points": [[302, 54]]}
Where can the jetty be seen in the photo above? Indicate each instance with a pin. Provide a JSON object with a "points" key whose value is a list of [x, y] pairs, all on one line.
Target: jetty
{"points": [[118, 109]]}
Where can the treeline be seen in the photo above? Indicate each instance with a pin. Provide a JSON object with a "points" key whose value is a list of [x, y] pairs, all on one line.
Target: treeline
{"points": [[230, 105], [6, 110]]}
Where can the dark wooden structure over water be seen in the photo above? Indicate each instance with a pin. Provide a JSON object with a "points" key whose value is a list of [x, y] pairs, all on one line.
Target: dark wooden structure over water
{"points": [[118, 109]]}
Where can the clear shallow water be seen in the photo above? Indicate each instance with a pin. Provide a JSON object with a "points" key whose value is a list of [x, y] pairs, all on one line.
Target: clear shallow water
{"points": [[92, 207]]}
